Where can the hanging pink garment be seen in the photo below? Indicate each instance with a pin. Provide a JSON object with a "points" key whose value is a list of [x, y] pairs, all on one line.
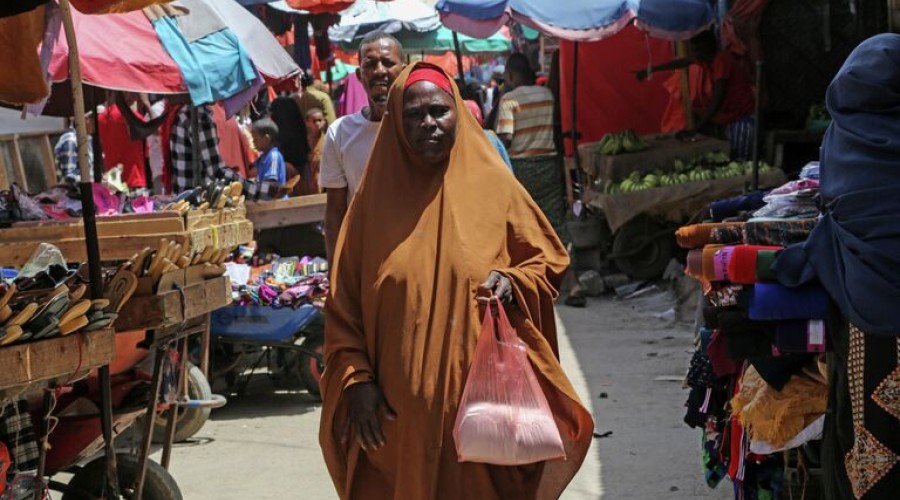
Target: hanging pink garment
{"points": [[354, 97]]}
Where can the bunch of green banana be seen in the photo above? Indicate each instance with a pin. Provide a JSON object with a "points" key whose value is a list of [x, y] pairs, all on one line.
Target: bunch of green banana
{"points": [[621, 142]]}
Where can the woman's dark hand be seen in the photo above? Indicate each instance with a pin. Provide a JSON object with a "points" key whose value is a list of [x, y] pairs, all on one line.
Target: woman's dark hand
{"points": [[497, 287], [366, 405]]}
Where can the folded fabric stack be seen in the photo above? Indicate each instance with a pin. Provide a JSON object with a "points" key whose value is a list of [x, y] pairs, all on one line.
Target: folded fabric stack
{"points": [[287, 282], [794, 200], [751, 391]]}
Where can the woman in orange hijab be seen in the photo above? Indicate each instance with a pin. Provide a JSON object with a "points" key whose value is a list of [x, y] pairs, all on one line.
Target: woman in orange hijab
{"points": [[438, 225]]}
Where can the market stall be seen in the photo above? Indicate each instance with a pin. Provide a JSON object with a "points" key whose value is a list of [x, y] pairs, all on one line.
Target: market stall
{"points": [[758, 382], [644, 186], [169, 261]]}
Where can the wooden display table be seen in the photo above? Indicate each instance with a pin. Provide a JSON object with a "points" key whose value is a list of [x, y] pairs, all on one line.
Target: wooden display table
{"points": [[59, 357], [660, 155], [288, 212], [174, 307], [121, 236]]}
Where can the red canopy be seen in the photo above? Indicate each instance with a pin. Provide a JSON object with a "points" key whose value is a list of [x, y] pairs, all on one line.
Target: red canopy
{"points": [[610, 98], [119, 52]]}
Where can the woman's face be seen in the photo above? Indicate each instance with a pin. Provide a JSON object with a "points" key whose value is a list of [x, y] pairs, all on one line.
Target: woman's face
{"points": [[429, 121]]}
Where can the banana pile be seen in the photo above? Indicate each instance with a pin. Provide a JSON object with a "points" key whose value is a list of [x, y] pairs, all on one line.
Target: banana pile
{"points": [[216, 195], [706, 167], [621, 142]]}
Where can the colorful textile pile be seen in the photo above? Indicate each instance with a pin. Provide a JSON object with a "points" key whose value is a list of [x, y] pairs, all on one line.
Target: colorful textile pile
{"points": [[759, 339]]}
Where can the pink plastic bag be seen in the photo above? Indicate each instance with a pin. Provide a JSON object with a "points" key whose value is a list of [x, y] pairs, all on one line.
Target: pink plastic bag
{"points": [[504, 417]]}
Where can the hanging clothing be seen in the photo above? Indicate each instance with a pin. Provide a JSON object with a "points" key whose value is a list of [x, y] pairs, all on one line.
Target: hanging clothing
{"points": [[213, 62], [21, 75], [120, 149], [66, 154], [416, 243], [354, 98], [234, 146]]}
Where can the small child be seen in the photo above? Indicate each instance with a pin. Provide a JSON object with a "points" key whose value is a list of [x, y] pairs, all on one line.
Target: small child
{"points": [[270, 164]]}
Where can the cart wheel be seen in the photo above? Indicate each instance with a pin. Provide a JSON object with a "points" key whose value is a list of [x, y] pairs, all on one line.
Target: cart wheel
{"points": [[642, 248], [90, 479], [311, 368], [189, 420]]}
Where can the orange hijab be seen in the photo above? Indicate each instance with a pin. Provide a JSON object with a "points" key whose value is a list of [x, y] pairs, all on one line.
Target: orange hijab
{"points": [[416, 243]]}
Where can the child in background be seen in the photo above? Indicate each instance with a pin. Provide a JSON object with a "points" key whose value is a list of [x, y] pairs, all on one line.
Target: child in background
{"points": [[270, 164], [315, 133]]}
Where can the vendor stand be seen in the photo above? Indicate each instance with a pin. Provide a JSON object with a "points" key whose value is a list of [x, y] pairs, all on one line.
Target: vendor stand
{"points": [[287, 212], [643, 195]]}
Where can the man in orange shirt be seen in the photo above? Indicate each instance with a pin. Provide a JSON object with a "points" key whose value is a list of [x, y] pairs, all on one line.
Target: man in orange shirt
{"points": [[720, 92]]}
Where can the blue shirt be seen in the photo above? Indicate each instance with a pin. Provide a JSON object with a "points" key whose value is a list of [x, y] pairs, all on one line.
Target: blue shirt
{"points": [[498, 145], [270, 167]]}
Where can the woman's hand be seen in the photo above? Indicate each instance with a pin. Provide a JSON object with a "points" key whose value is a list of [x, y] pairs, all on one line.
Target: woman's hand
{"points": [[497, 287], [366, 404]]}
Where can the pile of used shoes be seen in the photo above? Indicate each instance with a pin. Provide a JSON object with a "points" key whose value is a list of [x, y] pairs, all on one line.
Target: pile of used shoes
{"points": [[286, 282], [47, 300]]}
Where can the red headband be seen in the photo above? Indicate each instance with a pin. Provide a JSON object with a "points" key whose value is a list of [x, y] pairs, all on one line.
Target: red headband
{"points": [[429, 74]]}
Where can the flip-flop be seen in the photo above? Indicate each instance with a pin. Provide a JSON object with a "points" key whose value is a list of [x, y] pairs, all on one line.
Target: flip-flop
{"points": [[13, 333], [99, 304], [23, 316], [45, 332], [6, 312], [7, 295], [79, 308], [73, 325]]}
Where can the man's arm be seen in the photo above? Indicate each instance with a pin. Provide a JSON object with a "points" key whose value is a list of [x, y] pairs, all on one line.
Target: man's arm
{"points": [[642, 74], [720, 88], [335, 210], [506, 123]]}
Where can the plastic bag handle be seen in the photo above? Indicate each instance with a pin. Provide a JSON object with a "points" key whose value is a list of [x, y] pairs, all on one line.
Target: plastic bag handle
{"points": [[503, 334]]}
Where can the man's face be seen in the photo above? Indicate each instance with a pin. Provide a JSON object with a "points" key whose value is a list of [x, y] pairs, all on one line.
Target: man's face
{"points": [[316, 121], [379, 66], [429, 121]]}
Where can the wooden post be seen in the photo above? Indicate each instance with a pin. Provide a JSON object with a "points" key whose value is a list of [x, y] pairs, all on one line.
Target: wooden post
{"points": [[92, 240], [459, 62], [18, 166], [681, 51], [49, 161], [4, 182]]}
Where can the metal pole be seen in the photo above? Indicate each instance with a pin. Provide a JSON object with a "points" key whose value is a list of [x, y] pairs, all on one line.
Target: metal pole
{"points": [[577, 187], [92, 241], [459, 62], [149, 423], [97, 146], [757, 123]]}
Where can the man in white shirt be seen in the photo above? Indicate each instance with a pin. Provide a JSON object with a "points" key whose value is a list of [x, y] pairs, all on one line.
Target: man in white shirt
{"points": [[349, 139]]}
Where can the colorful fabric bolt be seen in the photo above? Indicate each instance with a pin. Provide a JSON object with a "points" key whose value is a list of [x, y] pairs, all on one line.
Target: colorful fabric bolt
{"points": [[728, 235], [721, 263], [698, 235], [764, 261], [781, 233], [802, 336], [775, 302], [730, 207], [709, 254], [742, 268]]}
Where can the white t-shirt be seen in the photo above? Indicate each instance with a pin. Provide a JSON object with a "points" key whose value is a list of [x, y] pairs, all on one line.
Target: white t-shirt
{"points": [[154, 147], [348, 144]]}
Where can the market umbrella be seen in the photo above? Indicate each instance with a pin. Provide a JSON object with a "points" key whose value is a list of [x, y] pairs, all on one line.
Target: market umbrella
{"points": [[579, 20], [309, 6], [124, 51], [397, 17], [339, 71]]}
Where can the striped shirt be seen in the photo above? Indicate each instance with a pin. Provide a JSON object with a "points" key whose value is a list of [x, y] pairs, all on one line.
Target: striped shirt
{"points": [[527, 114]]}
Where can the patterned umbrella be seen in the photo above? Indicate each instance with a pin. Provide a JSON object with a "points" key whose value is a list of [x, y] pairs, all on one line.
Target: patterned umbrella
{"points": [[579, 20]]}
